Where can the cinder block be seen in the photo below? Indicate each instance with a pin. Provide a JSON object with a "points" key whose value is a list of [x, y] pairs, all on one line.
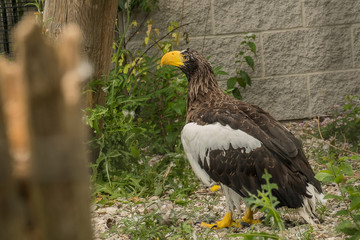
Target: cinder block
{"points": [[307, 50], [256, 15], [356, 44], [196, 14], [328, 89], [329, 12], [222, 51], [283, 97]]}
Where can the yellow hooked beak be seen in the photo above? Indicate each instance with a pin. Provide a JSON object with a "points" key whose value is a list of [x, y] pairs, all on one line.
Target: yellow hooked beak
{"points": [[174, 58]]}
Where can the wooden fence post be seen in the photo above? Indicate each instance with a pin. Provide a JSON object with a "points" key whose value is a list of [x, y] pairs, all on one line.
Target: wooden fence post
{"points": [[10, 219], [57, 181]]}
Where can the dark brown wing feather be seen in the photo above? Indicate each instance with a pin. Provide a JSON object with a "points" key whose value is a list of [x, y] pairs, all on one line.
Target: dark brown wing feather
{"points": [[281, 153]]}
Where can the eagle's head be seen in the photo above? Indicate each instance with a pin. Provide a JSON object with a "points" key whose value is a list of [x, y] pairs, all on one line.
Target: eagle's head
{"points": [[189, 61]]}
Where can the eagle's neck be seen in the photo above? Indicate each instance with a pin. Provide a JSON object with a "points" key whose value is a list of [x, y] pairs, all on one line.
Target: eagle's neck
{"points": [[202, 87]]}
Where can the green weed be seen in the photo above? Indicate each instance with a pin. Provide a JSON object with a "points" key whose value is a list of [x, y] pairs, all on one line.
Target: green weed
{"points": [[245, 56], [308, 234], [267, 204], [344, 125], [342, 163], [342, 174], [141, 121]]}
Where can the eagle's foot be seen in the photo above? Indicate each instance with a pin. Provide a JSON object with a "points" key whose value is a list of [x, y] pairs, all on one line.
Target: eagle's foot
{"points": [[249, 217], [224, 223]]}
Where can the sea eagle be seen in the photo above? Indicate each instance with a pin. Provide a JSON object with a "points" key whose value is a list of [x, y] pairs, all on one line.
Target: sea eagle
{"points": [[232, 142]]}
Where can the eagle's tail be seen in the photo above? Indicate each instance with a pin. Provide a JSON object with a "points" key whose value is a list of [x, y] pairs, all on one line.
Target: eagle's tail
{"points": [[307, 211]]}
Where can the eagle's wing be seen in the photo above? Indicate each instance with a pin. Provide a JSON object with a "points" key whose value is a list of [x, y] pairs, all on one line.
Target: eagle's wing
{"points": [[256, 122], [234, 143]]}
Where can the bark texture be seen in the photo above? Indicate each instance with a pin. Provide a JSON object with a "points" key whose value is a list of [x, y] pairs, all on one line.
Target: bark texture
{"points": [[96, 19]]}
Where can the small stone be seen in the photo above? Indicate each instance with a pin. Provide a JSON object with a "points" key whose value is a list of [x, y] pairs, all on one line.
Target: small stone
{"points": [[153, 198]]}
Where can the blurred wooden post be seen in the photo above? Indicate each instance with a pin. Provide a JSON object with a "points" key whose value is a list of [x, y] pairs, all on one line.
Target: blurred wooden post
{"points": [[10, 218], [55, 177]]}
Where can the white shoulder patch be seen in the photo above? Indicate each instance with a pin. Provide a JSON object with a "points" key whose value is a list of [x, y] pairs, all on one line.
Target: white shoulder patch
{"points": [[198, 140]]}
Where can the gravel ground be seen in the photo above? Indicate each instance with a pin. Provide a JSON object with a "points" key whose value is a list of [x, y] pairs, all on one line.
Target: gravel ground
{"points": [[207, 206]]}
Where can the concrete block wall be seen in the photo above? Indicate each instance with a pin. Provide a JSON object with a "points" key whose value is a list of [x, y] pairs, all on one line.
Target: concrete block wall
{"points": [[308, 50]]}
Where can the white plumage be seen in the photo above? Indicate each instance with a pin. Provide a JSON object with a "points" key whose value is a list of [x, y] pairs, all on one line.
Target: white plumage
{"points": [[199, 140]]}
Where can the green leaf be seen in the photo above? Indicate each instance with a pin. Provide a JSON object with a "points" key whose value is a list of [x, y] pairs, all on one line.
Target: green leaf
{"points": [[236, 93], [241, 53], [178, 108], [356, 236], [250, 61], [324, 176], [339, 179], [222, 73], [342, 213], [347, 169], [351, 180], [347, 227], [158, 190], [246, 77], [348, 106], [356, 218], [231, 82], [252, 47], [181, 202], [241, 82], [331, 196], [355, 203]]}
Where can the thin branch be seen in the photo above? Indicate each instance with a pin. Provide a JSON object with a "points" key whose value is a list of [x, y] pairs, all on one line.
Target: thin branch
{"points": [[181, 20], [134, 33], [152, 45], [206, 21]]}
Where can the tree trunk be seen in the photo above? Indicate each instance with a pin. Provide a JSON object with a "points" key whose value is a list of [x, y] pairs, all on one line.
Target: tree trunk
{"points": [[96, 19]]}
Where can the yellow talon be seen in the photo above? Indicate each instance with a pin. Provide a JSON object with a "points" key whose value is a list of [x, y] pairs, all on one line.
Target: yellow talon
{"points": [[249, 217], [224, 223], [215, 188], [228, 222]]}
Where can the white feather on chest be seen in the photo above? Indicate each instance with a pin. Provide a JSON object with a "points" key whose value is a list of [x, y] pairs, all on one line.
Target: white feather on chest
{"points": [[198, 140]]}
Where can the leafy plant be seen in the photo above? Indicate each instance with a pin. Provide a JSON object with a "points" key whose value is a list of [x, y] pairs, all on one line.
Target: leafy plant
{"points": [[342, 174], [141, 121], [152, 113], [267, 203], [39, 5], [344, 126], [242, 78], [308, 234]]}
